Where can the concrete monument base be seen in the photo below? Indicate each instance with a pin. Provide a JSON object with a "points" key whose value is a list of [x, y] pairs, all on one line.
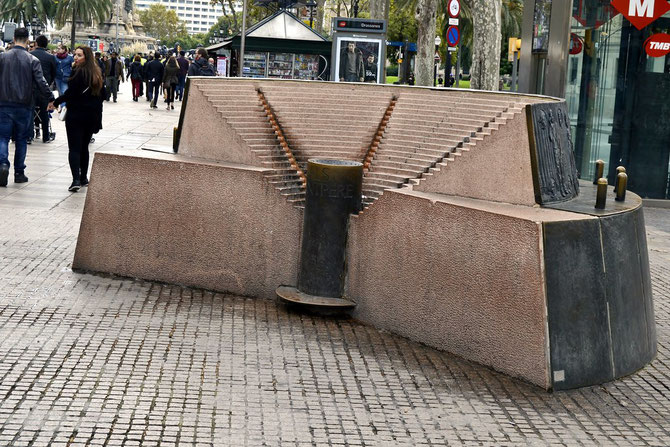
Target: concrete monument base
{"points": [[535, 282]]}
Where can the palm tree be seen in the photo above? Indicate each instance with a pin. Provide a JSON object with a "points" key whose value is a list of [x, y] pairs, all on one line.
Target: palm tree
{"points": [[85, 10], [23, 11]]}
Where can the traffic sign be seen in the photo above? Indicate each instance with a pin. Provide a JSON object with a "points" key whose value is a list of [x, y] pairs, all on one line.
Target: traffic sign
{"points": [[576, 44], [453, 36], [641, 13], [454, 8], [453, 21], [437, 57]]}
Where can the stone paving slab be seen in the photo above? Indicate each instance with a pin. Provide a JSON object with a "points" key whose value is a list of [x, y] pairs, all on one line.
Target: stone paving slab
{"points": [[102, 361]]}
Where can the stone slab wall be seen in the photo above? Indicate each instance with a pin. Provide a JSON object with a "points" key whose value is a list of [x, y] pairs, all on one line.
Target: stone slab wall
{"points": [[461, 275], [497, 168], [167, 218], [206, 135]]}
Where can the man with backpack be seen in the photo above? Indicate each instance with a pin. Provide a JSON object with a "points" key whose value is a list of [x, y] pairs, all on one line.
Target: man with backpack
{"points": [[200, 67], [154, 73]]}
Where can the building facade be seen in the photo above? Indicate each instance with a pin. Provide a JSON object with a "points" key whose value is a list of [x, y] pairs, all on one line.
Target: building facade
{"points": [[199, 15]]}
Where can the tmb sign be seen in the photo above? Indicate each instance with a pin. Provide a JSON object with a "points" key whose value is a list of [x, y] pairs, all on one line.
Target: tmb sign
{"points": [[641, 12], [658, 45]]}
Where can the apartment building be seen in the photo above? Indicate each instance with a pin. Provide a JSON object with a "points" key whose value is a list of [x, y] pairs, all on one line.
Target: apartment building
{"points": [[199, 15]]}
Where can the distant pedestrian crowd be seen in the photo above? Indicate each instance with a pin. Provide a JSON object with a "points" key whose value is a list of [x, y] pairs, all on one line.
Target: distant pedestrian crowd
{"points": [[167, 76], [30, 73]]}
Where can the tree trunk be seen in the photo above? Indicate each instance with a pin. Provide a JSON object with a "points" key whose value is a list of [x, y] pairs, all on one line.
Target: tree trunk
{"points": [[74, 25], [320, 10], [379, 9], [236, 25], [426, 14], [485, 70]]}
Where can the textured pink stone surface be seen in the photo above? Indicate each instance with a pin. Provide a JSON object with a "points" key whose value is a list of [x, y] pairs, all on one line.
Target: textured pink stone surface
{"points": [[218, 142], [463, 275], [497, 168], [163, 217]]}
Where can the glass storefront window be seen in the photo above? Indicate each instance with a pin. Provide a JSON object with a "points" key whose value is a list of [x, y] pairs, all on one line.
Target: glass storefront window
{"points": [[619, 98]]}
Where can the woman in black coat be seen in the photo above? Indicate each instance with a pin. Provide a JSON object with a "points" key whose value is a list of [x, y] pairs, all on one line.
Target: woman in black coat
{"points": [[170, 80], [135, 75], [84, 97]]}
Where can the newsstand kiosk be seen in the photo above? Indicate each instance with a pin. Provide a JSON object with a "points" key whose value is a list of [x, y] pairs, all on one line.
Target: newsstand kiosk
{"points": [[279, 46]]}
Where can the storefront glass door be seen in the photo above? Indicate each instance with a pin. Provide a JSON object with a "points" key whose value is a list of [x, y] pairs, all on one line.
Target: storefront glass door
{"points": [[619, 99]]}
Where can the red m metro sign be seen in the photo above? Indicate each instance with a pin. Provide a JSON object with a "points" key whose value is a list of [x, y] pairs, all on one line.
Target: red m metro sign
{"points": [[641, 12]]}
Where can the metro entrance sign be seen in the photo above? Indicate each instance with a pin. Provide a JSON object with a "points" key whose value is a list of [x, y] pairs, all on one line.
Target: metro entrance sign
{"points": [[641, 12]]}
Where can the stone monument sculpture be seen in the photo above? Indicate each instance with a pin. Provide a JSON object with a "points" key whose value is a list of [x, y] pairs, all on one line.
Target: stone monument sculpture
{"points": [[123, 25]]}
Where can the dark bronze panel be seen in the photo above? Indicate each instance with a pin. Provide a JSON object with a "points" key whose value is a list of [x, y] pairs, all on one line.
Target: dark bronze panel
{"points": [[333, 193], [625, 293], [554, 171], [646, 282], [576, 304]]}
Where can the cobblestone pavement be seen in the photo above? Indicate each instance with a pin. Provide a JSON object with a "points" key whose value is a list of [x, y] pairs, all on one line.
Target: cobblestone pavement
{"points": [[90, 360]]}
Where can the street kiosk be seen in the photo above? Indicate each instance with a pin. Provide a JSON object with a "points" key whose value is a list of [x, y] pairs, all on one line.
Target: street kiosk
{"points": [[279, 46]]}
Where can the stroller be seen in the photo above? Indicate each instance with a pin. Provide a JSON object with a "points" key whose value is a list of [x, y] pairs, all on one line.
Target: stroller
{"points": [[38, 125]]}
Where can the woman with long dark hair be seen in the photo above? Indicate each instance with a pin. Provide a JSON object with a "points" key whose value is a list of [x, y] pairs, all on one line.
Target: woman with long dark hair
{"points": [[170, 80], [84, 97]]}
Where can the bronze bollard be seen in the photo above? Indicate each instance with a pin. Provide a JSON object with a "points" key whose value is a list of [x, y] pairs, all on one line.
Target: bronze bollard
{"points": [[600, 171], [619, 170], [601, 194], [621, 185]]}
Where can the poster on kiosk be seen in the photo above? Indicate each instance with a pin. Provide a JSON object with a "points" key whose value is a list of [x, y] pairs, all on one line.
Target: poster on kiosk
{"points": [[359, 50]]}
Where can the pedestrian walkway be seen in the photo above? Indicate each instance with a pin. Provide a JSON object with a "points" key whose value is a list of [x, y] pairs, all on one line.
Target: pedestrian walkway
{"points": [[95, 360]]}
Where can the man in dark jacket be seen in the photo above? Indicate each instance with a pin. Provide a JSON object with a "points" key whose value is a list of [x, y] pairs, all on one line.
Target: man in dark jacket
{"points": [[101, 64], [49, 69], [183, 71], [351, 67], [19, 73], [154, 70], [200, 67], [145, 80], [113, 74]]}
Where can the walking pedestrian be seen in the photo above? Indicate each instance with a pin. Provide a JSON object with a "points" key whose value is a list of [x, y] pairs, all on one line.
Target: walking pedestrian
{"points": [[113, 73], [183, 70], [84, 96], [20, 73], [200, 67], [64, 68], [100, 62], [145, 79], [155, 77], [135, 75], [170, 80], [50, 71]]}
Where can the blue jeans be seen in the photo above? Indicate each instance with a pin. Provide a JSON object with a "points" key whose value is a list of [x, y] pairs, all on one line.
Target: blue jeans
{"points": [[180, 86], [61, 85], [15, 122]]}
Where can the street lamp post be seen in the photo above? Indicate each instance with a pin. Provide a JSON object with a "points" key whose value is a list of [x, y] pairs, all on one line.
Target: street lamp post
{"points": [[438, 41], [311, 4], [240, 63], [35, 27], [116, 44]]}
